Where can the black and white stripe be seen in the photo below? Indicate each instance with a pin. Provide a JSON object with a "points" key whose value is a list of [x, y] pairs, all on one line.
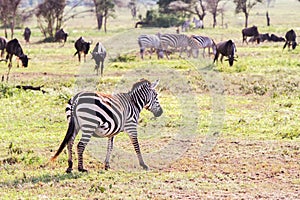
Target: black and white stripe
{"points": [[101, 115], [205, 42], [149, 41], [178, 41]]}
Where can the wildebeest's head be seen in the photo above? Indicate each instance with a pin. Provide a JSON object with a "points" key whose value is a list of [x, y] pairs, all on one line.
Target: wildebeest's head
{"points": [[231, 49], [294, 44], [24, 60]]}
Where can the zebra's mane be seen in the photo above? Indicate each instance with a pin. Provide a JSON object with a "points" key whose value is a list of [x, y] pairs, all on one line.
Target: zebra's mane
{"points": [[140, 84]]}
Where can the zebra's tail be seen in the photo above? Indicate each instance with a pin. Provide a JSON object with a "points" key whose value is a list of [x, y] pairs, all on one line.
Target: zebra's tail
{"points": [[69, 135]]}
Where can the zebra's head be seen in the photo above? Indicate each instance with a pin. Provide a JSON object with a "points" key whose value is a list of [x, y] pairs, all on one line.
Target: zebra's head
{"points": [[153, 104], [145, 96]]}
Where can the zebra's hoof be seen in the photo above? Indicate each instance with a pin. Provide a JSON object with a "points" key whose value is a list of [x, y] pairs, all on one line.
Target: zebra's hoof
{"points": [[69, 170], [82, 170]]}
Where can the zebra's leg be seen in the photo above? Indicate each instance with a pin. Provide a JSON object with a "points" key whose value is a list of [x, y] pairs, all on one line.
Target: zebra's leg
{"points": [[142, 53], [70, 162], [135, 142], [109, 150], [80, 149]]}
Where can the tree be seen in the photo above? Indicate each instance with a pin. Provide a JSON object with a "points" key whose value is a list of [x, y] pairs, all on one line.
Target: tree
{"points": [[245, 6], [213, 8], [104, 9], [8, 14], [50, 16]]}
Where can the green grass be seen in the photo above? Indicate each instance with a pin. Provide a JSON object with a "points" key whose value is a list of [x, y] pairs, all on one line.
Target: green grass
{"points": [[242, 120]]}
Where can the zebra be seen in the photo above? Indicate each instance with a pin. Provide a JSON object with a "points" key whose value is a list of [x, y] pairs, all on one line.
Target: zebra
{"points": [[185, 26], [290, 37], [205, 42], [178, 41], [198, 23], [103, 115], [152, 42]]}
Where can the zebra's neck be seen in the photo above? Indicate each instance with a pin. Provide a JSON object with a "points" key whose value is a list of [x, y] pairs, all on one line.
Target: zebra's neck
{"points": [[137, 99]]}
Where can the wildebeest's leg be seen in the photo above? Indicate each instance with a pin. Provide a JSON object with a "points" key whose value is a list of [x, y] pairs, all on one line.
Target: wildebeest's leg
{"points": [[216, 56], [108, 153], [286, 42], [221, 59], [9, 65], [102, 67], [132, 132], [79, 56]]}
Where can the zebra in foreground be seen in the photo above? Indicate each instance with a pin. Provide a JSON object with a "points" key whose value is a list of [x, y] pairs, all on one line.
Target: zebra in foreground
{"points": [[103, 115], [178, 41], [205, 42], [152, 42]]}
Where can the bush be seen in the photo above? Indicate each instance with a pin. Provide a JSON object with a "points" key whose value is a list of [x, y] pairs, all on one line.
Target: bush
{"points": [[155, 19]]}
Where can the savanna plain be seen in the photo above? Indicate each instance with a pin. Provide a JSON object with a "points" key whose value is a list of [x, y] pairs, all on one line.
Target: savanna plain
{"points": [[226, 132]]}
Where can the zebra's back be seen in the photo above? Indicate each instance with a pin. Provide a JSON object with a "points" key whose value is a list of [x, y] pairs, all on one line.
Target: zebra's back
{"points": [[149, 41], [97, 113], [203, 41], [174, 40]]}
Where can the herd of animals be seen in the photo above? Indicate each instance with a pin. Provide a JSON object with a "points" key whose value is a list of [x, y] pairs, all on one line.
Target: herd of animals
{"points": [[101, 115], [13, 47], [158, 43]]}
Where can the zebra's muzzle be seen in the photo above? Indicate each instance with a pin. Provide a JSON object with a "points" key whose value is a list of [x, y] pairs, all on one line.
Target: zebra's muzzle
{"points": [[158, 113]]}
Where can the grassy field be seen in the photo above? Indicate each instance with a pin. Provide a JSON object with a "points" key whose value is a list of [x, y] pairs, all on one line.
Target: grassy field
{"points": [[226, 132]]}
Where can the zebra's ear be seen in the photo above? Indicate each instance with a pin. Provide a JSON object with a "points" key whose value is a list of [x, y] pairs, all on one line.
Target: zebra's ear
{"points": [[154, 84]]}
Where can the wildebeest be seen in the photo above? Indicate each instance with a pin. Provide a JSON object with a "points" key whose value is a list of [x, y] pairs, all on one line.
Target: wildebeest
{"points": [[13, 47], [262, 38], [99, 54], [275, 38], [3, 42], [226, 48], [61, 35], [290, 37], [82, 46], [26, 34], [249, 32]]}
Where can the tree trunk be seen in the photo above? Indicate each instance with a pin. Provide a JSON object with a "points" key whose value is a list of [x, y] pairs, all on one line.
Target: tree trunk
{"points": [[215, 20], [246, 19], [268, 18], [99, 20]]}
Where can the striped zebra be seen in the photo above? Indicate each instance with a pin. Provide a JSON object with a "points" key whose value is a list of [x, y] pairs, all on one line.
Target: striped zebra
{"points": [[152, 42], [178, 41], [198, 23], [103, 115], [205, 42]]}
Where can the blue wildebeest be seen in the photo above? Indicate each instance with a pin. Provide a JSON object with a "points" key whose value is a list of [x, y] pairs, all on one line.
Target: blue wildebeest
{"points": [[275, 38], [26, 34], [198, 23], [99, 54], [13, 47], [61, 35], [152, 42], [290, 37], [226, 48], [249, 32], [82, 46], [262, 38], [3, 42]]}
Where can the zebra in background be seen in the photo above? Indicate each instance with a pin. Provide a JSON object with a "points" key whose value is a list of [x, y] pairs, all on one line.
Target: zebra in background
{"points": [[103, 115], [152, 42], [205, 42], [185, 26], [178, 41], [198, 23]]}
